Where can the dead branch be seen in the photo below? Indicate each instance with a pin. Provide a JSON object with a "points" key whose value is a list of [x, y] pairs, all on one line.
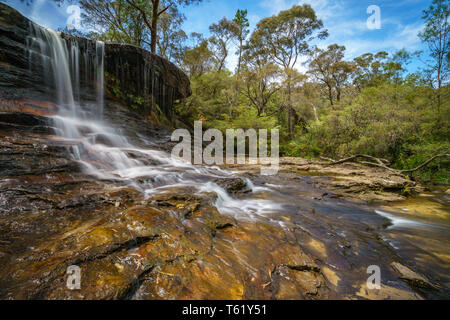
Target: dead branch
{"points": [[327, 159], [382, 163], [377, 165], [356, 156], [426, 162]]}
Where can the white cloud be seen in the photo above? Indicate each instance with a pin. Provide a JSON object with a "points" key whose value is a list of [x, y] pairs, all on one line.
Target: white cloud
{"points": [[35, 13], [351, 30], [409, 35], [406, 37]]}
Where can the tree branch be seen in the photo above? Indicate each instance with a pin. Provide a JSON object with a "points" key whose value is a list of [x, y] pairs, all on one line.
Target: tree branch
{"points": [[382, 163], [378, 160], [426, 162]]}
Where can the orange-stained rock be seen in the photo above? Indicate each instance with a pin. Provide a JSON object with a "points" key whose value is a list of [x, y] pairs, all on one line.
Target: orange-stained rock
{"points": [[40, 108]]}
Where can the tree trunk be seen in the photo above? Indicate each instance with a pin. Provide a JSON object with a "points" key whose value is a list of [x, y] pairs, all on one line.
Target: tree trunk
{"points": [[236, 92], [439, 90], [330, 94], [240, 57], [154, 28], [289, 106], [315, 112]]}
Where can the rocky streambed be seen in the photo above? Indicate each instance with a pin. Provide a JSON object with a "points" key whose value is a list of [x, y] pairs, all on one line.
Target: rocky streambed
{"points": [[98, 190], [315, 243]]}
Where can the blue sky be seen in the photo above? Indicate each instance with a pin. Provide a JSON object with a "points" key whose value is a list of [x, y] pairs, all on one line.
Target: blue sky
{"points": [[344, 19]]}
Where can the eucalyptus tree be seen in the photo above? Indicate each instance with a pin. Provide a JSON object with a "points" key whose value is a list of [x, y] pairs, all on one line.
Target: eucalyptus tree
{"points": [[328, 67], [116, 20], [171, 37], [368, 69], [223, 32], [284, 38], [260, 85], [394, 69], [151, 11], [197, 59], [436, 36], [154, 24]]}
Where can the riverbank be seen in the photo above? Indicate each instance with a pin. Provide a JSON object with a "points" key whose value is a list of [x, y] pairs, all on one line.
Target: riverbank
{"points": [[348, 180]]}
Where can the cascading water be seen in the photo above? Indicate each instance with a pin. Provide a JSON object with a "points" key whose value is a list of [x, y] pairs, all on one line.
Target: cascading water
{"points": [[55, 61], [111, 160], [75, 69], [100, 56]]}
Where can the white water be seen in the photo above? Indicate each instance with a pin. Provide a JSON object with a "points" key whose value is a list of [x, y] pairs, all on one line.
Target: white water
{"points": [[404, 222], [110, 158], [100, 55]]}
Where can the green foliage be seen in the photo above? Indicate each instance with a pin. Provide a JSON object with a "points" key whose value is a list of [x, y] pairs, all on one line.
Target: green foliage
{"points": [[242, 22], [365, 106], [120, 21], [328, 67], [151, 24], [222, 33], [368, 105], [414, 154], [197, 59], [406, 134]]}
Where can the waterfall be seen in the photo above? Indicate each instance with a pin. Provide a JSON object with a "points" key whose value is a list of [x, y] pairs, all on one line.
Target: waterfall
{"points": [[53, 51], [100, 148], [100, 58], [153, 88], [86, 64], [75, 63]]}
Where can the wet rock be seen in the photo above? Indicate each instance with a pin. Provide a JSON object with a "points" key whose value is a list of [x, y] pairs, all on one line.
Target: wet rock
{"points": [[233, 185], [31, 155], [132, 55], [306, 283], [412, 278], [24, 122], [23, 119], [386, 293], [347, 180], [16, 80], [41, 108], [149, 251], [102, 139]]}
